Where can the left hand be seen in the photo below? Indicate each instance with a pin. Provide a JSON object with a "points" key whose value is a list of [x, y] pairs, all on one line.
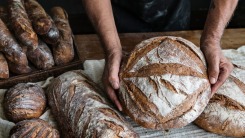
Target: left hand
{"points": [[219, 67]]}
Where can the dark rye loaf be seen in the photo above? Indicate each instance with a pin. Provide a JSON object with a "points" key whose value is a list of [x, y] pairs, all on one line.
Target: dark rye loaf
{"points": [[82, 112], [164, 83]]}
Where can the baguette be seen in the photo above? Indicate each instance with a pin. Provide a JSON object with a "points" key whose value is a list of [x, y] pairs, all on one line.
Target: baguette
{"points": [[63, 51], [4, 69], [52, 36], [17, 60], [41, 57], [82, 112], [40, 21], [21, 24]]}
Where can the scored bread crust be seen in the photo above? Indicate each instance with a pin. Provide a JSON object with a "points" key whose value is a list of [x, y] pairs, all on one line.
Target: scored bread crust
{"points": [[225, 113], [34, 128], [24, 101], [82, 112], [164, 83]]}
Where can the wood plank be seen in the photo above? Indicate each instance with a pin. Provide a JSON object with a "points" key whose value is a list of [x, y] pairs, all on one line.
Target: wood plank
{"points": [[90, 47]]}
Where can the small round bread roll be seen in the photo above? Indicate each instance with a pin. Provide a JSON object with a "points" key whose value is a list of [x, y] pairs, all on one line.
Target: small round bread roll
{"points": [[24, 101], [164, 83], [34, 128], [225, 113]]}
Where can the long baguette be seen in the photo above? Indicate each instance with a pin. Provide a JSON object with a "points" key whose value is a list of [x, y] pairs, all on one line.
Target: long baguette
{"points": [[21, 24], [52, 36], [63, 51], [39, 18], [41, 57], [17, 60]]}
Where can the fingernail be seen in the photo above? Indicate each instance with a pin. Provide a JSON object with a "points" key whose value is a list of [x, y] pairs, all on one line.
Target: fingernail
{"points": [[212, 80], [115, 85], [120, 108]]}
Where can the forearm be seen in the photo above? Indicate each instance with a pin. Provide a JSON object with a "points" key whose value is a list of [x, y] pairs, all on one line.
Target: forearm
{"points": [[219, 15], [101, 16]]}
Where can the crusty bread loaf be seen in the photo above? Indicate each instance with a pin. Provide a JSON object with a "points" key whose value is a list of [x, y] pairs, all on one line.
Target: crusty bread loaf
{"points": [[4, 69], [164, 83], [225, 113], [40, 21], [24, 101], [52, 36], [41, 57], [21, 24], [82, 112], [17, 60], [63, 50], [34, 128]]}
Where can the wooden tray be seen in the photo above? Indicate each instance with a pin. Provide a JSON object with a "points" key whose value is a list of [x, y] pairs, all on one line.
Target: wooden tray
{"points": [[40, 75]]}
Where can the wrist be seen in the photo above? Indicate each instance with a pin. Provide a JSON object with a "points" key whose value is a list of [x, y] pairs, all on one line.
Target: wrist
{"points": [[209, 40]]}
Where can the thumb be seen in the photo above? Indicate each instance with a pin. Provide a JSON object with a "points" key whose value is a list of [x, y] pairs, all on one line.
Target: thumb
{"points": [[213, 68]]}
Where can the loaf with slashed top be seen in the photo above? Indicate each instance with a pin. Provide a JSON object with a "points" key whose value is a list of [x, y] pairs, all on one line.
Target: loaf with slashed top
{"points": [[34, 128], [164, 83], [82, 112], [24, 101], [225, 113]]}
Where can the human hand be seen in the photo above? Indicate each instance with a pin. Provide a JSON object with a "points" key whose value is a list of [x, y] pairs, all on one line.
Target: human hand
{"points": [[110, 75], [219, 67]]}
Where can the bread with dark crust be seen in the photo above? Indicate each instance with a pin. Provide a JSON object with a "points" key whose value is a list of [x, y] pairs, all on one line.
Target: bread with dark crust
{"points": [[24, 101]]}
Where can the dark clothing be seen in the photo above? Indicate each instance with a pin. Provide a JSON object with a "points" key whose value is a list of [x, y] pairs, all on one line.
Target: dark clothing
{"points": [[151, 15]]}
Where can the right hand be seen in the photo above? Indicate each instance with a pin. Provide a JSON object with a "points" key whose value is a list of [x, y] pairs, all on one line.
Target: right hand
{"points": [[110, 75]]}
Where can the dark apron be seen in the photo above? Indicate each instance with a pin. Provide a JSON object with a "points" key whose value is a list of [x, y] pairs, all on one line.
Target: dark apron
{"points": [[151, 15]]}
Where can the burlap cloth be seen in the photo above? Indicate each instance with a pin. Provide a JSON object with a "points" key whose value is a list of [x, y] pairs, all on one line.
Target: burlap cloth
{"points": [[94, 69]]}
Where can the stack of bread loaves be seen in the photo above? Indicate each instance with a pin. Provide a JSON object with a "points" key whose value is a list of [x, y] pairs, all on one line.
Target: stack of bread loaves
{"points": [[29, 34]]}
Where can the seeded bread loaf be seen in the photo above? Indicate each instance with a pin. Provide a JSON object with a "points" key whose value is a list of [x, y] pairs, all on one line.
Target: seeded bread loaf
{"points": [[82, 112], [24, 101], [164, 83], [225, 113], [34, 128]]}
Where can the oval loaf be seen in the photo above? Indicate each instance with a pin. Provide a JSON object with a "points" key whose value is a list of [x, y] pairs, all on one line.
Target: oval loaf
{"points": [[164, 83], [82, 112]]}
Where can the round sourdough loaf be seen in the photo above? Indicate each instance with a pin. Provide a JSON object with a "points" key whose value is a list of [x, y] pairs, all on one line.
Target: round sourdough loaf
{"points": [[24, 101], [34, 128], [225, 113], [164, 83]]}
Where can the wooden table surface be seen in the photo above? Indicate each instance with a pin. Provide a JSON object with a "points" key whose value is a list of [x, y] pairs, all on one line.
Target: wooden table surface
{"points": [[89, 46]]}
